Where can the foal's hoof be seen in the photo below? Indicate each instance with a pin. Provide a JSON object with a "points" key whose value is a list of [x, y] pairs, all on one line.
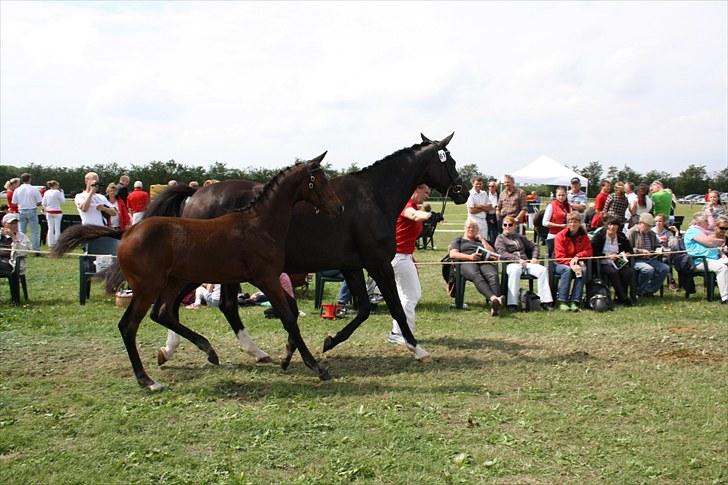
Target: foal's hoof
{"points": [[161, 356], [329, 343], [285, 362], [156, 386], [324, 374], [212, 358], [421, 355]]}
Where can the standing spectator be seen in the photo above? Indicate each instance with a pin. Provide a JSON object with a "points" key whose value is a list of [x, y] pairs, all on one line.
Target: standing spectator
{"points": [[512, 202], [554, 217], [121, 220], [534, 203], [478, 205], [171, 183], [408, 229], [10, 187], [28, 198], [707, 194], [713, 209], [651, 272], [92, 205], [617, 203], [137, 202], [600, 202], [493, 227], [661, 199], [122, 188], [194, 184], [700, 242], [472, 247], [612, 243], [53, 206], [576, 197], [630, 193], [512, 246], [570, 247]]}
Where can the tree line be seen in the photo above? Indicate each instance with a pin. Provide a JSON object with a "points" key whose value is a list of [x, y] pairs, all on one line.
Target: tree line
{"points": [[692, 180]]}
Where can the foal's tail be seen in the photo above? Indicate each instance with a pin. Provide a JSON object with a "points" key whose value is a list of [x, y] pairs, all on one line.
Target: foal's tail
{"points": [[169, 203], [78, 234]]}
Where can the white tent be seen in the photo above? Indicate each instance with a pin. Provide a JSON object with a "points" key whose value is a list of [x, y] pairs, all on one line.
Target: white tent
{"points": [[546, 171]]}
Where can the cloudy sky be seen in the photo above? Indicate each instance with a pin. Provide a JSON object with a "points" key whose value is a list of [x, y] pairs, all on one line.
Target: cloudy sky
{"points": [[258, 84]]}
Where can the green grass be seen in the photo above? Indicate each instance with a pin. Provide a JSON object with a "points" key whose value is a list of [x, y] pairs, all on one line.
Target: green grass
{"points": [[631, 396]]}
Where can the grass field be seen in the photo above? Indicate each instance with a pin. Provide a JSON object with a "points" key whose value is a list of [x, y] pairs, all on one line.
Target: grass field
{"points": [[631, 396]]}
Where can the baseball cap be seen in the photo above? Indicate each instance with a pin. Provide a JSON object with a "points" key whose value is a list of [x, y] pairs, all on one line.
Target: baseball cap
{"points": [[575, 180], [138, 184], [10, 217]]}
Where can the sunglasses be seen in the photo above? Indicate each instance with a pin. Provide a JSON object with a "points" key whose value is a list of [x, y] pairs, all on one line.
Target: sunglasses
{"points": [[507, 224], [723, 228]]}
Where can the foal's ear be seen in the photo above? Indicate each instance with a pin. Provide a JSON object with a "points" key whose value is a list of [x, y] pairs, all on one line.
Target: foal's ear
{"points": [[447, 140], [317, 160], [425, 139]]}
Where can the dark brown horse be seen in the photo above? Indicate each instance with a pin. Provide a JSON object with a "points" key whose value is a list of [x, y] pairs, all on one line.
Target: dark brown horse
{"points": [[363, 237], [160, 255]]}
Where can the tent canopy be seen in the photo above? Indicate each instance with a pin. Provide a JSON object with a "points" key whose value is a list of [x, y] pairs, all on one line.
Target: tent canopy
{"points": [[547, 171]]}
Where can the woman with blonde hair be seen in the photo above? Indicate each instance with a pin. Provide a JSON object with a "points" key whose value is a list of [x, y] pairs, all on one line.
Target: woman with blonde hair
{"points": [[52, 203], [472, 247], [10, 187]]}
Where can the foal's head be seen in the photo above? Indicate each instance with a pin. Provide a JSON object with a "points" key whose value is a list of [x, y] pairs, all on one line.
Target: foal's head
{"points": [[319, 193], [441, 172]]}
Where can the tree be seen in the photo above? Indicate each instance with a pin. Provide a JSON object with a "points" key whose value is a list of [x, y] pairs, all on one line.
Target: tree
{"points": [[692, 180], [593, 173], [627, 174], [720, 180], [467, 172]]}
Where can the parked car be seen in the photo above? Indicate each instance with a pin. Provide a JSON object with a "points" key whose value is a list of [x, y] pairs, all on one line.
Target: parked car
{"points": [[724, 198], [689, 199]]}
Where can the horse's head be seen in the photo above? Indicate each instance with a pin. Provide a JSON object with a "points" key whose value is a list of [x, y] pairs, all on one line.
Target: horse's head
{"points": [[441, 172], [319, 192]]}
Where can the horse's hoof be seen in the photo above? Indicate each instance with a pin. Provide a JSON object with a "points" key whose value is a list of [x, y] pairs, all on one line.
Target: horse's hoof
{"points": [[212, 358], [285, 363], [421, 355], [264, 360], [161, 356], [329, 343], [324, 374], [155, 386]]}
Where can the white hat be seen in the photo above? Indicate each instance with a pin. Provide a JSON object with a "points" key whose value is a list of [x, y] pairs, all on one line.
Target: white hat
{"points": [[138, 184], [10, 217]]}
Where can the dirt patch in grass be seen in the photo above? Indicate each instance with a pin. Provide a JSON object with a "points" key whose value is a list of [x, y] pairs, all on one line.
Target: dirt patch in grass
{"points": [[695, 357], [686, 329]]}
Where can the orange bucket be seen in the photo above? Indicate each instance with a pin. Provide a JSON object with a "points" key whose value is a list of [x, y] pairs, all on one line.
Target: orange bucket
{"points": [[328, 310]]}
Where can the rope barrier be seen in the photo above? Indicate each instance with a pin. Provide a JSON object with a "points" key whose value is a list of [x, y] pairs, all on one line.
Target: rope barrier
{"points": [[546, 260]]}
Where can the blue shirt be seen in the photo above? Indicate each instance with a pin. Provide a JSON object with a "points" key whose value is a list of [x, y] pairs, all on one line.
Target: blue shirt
{"points": [[576, 198], [694, 248]]}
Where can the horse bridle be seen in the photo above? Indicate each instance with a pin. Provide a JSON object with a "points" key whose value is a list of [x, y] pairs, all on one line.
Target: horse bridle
{"points": [[443, 153], [312, 184]]}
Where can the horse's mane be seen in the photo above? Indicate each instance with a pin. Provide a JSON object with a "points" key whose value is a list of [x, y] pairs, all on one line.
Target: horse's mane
{"points": [[398, 153], [268, 188]]}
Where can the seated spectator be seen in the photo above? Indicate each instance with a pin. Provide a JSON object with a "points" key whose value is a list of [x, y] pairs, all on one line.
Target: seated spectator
{"points": [[700, 242], [471, 246], [554, 217], [664, 235], [651, 272], [512, 246], [612, 243], [570, 246], [207, 292], [13, 244]]}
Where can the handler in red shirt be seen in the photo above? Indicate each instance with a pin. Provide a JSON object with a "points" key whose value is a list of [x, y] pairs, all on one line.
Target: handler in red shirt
{"points": [[137, 202]]}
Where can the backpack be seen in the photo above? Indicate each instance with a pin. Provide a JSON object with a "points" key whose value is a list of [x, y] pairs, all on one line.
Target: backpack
{"points": [[528, 301], [448, 274], [597, 294]]}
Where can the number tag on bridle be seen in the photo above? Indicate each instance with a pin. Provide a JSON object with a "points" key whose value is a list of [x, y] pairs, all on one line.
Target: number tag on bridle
{"points": [[443, 155], [310, 184]]}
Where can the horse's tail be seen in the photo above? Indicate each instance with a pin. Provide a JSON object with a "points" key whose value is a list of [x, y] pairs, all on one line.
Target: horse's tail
{"points": [[78, 234], [113, 277], [170, 202]]}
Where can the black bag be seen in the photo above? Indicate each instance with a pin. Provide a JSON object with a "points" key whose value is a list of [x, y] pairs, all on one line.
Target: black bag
{"points": [[528, 301], [448, 274], [597, 294]]}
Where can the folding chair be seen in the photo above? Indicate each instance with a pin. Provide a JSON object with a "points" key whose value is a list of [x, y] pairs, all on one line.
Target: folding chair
{"points": [[87, 266]]}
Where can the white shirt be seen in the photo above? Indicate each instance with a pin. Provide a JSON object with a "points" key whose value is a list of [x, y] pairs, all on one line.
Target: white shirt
{"points": [[492, 200], [477, 198], [26, 197], [92, 216], [53, 199]]}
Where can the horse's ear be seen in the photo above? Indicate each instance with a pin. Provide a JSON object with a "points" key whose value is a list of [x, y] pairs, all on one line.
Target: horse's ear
{"points": [[425, 139], [317, 160], [447, 140]]}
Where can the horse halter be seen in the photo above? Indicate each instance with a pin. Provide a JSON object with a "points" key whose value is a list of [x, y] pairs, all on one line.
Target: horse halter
{"points": [[312, 182], [457, 188]]}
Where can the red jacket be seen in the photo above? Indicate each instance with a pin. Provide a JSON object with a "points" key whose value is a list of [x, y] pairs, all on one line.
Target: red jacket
{"points": [[124, 217], [137, 200], [566, 248], [558, 215]]}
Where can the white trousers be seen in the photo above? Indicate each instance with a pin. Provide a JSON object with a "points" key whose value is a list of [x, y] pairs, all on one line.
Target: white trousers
{"points": [[408, 288], [136, 217], [514, 271], [54, 228], [718, 266]]}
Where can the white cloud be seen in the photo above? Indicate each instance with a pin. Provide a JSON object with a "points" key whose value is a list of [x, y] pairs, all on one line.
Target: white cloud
{"points": [[259, 84]]}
